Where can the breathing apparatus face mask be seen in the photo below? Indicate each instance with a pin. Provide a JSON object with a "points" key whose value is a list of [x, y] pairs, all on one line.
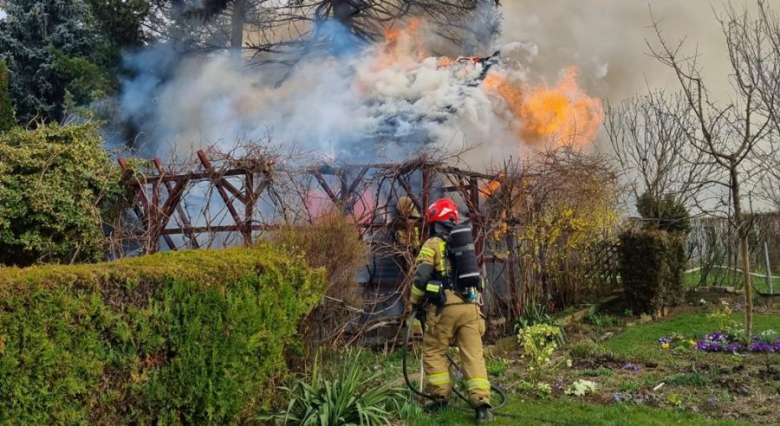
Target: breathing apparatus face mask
{"points": [[443, 228]]}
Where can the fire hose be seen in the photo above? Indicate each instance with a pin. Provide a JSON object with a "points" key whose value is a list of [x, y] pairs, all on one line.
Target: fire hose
{"points": [[460, 395]]}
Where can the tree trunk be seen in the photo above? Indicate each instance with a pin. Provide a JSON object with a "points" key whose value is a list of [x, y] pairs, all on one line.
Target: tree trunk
{"points": [[237, 26], [742, 233]]}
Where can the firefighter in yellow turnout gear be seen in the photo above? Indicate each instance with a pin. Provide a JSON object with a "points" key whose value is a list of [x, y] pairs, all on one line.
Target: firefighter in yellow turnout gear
{"points": [[448, 316], [407, 234]]}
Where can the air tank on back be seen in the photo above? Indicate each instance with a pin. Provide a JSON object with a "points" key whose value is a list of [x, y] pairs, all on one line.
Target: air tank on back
{"points": [[464, 258]]}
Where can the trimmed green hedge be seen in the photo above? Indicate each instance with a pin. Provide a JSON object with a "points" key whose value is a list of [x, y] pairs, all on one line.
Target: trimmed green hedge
{"points": [[190, 337], [652, 264]]}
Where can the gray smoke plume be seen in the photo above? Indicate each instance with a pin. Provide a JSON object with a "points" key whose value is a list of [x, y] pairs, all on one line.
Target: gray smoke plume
{"points": [[356, 102]]}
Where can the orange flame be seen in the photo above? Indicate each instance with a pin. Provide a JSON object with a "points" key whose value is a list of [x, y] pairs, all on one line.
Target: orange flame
{"points": [[562, 114], [444, 62], [491, 187], [403, 43]]}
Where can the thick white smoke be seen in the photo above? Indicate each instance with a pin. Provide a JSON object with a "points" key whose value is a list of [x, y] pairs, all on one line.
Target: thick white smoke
{"points": [[386, 101], [367, 105], [322, 105]]}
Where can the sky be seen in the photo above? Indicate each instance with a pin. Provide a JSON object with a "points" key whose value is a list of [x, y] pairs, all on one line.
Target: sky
{"points": [[607, 40]]}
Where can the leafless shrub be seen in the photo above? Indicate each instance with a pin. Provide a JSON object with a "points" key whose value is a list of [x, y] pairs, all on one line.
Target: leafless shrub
{"points": [[333, 243], [651, 147]]}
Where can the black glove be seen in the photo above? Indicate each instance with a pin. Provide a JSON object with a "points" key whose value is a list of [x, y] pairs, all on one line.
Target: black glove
{"points": [[419, 312]]}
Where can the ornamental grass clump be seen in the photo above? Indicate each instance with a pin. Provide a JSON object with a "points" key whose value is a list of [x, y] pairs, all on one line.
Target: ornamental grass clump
{"points": [[351, 396]]}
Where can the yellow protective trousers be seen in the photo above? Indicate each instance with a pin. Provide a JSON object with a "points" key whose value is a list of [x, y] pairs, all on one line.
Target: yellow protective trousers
{"points": [[463, 323]]}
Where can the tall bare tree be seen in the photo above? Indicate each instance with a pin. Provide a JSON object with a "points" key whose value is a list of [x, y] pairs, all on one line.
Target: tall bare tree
{"points": [[283, 31], [728, 133], [291, 29], [652, 149], [755, 43]]}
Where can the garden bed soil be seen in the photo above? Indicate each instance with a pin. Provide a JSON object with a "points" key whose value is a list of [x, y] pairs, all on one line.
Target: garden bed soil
{"points": [[718, 385]]}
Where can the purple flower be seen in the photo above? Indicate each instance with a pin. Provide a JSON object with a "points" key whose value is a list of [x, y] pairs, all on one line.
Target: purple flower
{"points": [[718, 336], [738, 307], [708, 346], [664, 340], [734, 347], [761, 347], [631, 367], [713, 400], [619, 397], [558, 386], [458, 374]]}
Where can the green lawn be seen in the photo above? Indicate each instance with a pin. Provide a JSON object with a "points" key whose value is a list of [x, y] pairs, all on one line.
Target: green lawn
{"points": [[720, 277], [573, 413], [634, 344], [641, 341]]}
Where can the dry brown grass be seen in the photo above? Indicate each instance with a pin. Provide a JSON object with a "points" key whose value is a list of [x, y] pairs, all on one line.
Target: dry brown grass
{"points": [[331, 242]]}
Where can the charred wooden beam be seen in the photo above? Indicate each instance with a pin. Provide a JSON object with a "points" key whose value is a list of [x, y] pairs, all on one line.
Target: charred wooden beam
{"points": [[158, 211], [218, 182], [217, 228], [324, 185], [169, 242], [349, 196], [153, 215], [410, 193], [183, 216]]}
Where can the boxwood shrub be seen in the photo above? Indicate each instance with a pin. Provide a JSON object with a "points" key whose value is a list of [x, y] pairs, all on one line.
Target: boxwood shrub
{"points": [[190, 337], [652, 263]]}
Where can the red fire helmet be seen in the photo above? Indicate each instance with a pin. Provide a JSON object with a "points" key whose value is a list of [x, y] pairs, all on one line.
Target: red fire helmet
{"points": [[443, 209]]}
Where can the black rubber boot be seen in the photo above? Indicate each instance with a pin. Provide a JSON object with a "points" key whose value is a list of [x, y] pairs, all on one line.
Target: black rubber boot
{"points": [[436, 405], [483, 414]]}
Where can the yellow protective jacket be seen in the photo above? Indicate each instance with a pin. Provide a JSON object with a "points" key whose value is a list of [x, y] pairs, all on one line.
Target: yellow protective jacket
{"points": [[458, 321], [408, 234], [432, 264]]}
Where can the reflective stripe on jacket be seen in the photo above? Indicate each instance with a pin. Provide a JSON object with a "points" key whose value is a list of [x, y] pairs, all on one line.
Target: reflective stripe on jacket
{"points": [[432, 263]]}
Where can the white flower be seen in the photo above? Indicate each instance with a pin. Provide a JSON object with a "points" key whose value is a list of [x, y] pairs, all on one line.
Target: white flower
{"points": [[581, 388], [568, 363], [544, 388]]}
